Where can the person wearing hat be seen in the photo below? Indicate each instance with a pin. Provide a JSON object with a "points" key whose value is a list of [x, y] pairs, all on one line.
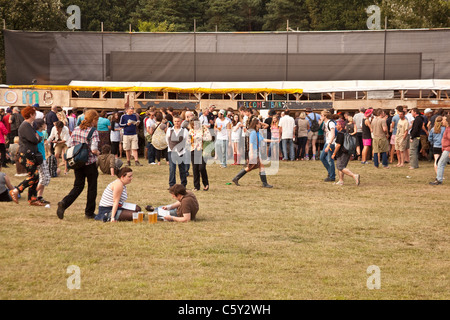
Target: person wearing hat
{"points": [[39, 114], [425, 146], [222, 126]]}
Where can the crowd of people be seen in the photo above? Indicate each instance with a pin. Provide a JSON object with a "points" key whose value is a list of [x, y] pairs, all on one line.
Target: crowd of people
{"points": [[36, 143]]}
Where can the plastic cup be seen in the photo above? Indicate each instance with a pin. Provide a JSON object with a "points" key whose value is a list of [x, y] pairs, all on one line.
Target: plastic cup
{"points": [[135, 217]]}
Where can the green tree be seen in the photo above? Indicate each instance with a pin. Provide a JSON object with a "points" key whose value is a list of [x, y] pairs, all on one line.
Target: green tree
{"points": [[180, 13], [148, 26], [115, 14], [44, 15], [408, 14], [235, 15], [279, 11], [338, 15]]}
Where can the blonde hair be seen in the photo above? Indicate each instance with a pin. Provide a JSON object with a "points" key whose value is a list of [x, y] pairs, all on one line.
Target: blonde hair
{"points": [[350, 119], [438, 124]]}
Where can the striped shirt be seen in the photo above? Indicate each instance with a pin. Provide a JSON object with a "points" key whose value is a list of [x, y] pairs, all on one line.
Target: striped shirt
{"points": [[107, 196], [80, 136]]}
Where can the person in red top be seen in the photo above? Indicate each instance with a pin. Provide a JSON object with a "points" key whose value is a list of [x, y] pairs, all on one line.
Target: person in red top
{"points": [[445, 153], [3, 133], [8, 127]]}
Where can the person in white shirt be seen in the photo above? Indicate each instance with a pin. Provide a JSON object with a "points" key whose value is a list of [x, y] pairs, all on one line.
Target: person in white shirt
{"points": [[410, 119], [358, 120], [287, 129], [39, 114], [60, 137], [328, 149], [177, 141], [204, 117], [223, 131]]}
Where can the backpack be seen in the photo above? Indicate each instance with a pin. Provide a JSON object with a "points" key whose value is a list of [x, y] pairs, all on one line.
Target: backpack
{"points": [[159, 139], [314, 124], [349, 143], [78, 155], [335, 129], [52, 166]]}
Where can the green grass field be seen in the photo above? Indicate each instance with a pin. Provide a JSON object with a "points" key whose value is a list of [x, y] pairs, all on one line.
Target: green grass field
{"points": [[303, 239]]}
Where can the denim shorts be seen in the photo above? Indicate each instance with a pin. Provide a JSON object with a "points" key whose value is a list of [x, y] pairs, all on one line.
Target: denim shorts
{"points": [[104, 214]]}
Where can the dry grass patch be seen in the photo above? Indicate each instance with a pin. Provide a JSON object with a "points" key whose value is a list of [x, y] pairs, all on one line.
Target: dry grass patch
{"points": [[303, 239]]}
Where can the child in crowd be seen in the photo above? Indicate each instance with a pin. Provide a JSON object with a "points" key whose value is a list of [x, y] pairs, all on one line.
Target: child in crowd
{"points": [[44, 173]]}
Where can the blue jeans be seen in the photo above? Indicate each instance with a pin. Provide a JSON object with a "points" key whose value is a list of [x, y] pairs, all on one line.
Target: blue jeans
{"points": [[327, 161], [284, 143], [441, 165], [275, 151], [221, 151], [174, 160], [384, 159]]}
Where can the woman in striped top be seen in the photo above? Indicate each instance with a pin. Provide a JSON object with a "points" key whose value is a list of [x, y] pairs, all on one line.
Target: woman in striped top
{"points": [[114, 196]]}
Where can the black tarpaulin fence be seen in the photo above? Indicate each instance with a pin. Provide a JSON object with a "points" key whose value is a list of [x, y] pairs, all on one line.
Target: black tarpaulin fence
{"points": [[56, 58]]}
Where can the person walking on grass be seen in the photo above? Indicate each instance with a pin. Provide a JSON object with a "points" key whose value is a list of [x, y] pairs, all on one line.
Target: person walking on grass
{"points": [[254, 162], [87, 172], [328, 149], [445, 153], [29, 157], [342, 156]]}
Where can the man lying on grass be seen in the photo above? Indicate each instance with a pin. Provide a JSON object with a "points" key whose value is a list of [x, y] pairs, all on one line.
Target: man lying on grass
{"points": [[186, 205]]}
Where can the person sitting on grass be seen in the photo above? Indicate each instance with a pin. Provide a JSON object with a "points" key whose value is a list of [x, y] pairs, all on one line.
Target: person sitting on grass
{"points": [[108, 162], [186, 205], [342, 156], [5, 186], [114, 195]]}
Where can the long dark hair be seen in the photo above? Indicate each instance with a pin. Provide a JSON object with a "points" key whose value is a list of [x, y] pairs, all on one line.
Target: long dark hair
{"points": [[253, 123]]}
